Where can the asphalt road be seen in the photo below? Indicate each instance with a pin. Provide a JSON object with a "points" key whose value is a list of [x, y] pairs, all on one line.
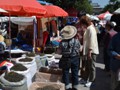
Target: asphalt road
{"points": [[102, 78]]}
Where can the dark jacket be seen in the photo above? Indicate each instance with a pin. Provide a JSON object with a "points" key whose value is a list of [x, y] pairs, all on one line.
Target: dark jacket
{"points": [[114, 49]]}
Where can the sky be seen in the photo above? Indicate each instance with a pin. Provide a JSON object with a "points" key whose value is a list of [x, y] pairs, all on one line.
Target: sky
{"points": [[102, 3]]}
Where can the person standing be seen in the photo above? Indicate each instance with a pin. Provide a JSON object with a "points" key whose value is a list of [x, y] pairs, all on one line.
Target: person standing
{"points": [[69, 48], [90, 49], [114, 50], [80, 33], [108, 36]]}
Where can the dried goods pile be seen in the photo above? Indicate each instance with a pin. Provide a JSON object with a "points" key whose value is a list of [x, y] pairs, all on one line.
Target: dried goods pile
{"points": [[13, 77], [41, 54], [49, 87], [31, 54], [26, 59], [49, 50], [51, 70], [19, 67]]}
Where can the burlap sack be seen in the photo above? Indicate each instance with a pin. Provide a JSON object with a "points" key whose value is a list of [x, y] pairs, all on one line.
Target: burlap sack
{"points": [[57, 86], [47, 77]]}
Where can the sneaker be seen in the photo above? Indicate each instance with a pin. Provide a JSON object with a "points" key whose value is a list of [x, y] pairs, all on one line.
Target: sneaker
{"points": [[82, 81], [88, 84]]}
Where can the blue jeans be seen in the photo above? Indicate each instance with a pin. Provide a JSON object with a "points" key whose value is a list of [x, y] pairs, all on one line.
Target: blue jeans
{"points": [[74, 70]]}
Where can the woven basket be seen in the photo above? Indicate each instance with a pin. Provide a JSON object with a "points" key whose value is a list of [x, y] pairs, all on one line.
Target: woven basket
{"points": [[8, 42]]}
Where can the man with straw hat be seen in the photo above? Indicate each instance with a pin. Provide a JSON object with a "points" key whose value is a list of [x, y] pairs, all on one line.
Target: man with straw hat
{"points": [[69, 48]]}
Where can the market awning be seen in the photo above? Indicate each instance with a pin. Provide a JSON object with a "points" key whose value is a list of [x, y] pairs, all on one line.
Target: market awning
{"points": [[117, 11], [23, 20], [104, 15], [22, 7], [54, 11], [3, 11]]}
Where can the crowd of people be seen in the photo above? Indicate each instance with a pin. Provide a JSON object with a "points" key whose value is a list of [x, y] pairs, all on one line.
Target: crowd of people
{"points": [[80, 44]]}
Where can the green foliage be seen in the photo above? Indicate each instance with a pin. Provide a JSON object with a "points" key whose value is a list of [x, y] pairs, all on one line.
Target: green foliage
{"points": [[78, 4], [84, 5], [112, 7]]}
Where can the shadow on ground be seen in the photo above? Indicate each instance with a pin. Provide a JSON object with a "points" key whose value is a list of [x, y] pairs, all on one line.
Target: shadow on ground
{"points": [[102, 80]]}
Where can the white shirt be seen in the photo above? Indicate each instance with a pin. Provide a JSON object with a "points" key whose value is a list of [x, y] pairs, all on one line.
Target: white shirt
{"points": [[90, 40]]}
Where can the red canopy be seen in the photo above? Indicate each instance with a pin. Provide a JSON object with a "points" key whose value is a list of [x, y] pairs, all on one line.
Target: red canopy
{"points": [[22, 7], [54, 11], [103, 15]]}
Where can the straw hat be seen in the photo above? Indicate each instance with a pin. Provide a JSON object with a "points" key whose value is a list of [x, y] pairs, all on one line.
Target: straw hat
{"points": [[1, 38], [68, 32]]}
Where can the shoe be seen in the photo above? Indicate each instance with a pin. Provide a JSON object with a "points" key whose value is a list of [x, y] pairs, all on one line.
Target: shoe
{"points": [[88, 84], [82, 81]]}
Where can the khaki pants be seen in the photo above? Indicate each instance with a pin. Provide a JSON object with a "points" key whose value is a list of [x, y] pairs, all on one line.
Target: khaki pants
{"points": [[90, 69]]}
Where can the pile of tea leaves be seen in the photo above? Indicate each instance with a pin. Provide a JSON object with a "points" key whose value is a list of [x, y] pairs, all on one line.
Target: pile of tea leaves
{"points": [[49, 87], [13, 77], [19, 67], [30, 54], [41, 54], [49, 50], [26, 59]]}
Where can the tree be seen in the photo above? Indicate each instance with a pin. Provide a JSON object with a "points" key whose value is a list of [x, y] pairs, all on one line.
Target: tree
{"points": [[77, 4], [112, 6], [84, 5]]}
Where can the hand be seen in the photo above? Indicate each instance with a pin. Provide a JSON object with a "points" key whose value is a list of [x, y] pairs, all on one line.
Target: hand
{"points": [[117, 57], [89, 54]]}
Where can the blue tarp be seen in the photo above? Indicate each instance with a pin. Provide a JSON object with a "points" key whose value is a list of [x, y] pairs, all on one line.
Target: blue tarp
{"points": [[44, 2]]}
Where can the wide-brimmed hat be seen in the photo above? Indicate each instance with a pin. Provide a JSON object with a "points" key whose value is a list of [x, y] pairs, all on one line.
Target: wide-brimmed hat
{"points": [[68, 32], [1, 38]]}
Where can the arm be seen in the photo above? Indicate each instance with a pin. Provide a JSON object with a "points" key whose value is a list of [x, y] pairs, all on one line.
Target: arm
{"points": [[113, 53], [92, 36]]}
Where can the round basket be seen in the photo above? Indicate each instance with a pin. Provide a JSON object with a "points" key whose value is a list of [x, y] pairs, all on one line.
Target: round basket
{"points": [[8, 42]]}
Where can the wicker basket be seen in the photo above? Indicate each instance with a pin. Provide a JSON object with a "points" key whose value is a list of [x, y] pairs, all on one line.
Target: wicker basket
{"points": [[8, 42]]}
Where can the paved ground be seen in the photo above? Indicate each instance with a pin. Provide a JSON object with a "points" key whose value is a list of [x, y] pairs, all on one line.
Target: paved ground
{"points": [[102, 79]]}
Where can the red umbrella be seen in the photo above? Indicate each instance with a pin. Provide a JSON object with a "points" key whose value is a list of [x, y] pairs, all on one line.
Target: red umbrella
{"points": [[54, 11], [104, 15], [22, 7]]}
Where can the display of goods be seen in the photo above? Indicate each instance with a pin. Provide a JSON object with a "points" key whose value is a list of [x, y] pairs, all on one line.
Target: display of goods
{"points": [[49, 50], [41, 54], [55, 71], [19, 67], [49, 56], [8, 42], [25, 59], [30, 54], [13, 77], [44, 69], [3, 69], [49, 87], [51, 70]]}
